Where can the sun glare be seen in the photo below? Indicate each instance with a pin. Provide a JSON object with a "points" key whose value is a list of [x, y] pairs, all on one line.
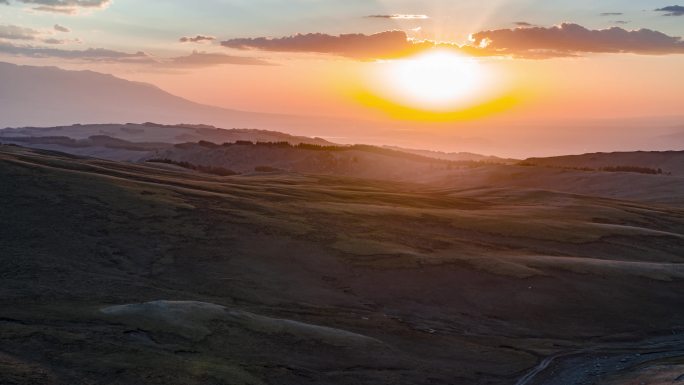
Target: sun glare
{"points": [[438, 80]]}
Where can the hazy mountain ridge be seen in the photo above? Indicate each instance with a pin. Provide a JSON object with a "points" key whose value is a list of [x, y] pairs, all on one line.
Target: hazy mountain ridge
{"points": [[48, 96]]}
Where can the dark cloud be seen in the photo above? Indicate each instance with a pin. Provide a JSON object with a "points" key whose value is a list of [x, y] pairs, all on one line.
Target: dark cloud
{"points": [[90, 54], [60, 28], [62, 6], [621, 22], [400, 17], [203, 59], [196, 39], [13, 32], [523, 24], [672, 10], [380, 45], [612, 14], [574, 39]]}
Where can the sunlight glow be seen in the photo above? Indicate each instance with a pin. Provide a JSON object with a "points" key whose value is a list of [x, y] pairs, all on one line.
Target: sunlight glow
{"points": [[438, 80]]}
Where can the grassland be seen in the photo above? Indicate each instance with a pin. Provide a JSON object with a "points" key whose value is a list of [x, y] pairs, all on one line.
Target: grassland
{"points": [[306, 279]]}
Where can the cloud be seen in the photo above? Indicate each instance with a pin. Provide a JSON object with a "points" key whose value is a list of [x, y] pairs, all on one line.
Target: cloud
{"points": [[62, 6], [359, 46], [90, 54], [621, 22], [523, 24], [565, 40], [672, 10], [573, 39], [203, 59], [612, 14], [60, 28], [400, 17], [14, 32], [197, 39], [194, 60], [53, 41]]}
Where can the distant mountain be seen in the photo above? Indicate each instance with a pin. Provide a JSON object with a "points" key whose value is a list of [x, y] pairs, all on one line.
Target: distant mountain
{"points": [[666, 161], [49, 96]]}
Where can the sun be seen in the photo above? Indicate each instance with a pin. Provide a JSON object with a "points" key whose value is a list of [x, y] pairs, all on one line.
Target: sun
{"points": [[438, 80]]}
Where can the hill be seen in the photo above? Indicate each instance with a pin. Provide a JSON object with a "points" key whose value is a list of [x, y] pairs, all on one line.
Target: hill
{"points": [[165, 275], [667, 161], [357, 161], [133, 142], [457, 156]]}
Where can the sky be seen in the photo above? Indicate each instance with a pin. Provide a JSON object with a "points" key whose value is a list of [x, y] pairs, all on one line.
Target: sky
{"points": [[489, 64]]}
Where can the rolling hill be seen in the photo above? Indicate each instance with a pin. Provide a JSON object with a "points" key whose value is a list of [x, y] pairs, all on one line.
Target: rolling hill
{"points": [[671, 162], [140, 142], [165, 275]]}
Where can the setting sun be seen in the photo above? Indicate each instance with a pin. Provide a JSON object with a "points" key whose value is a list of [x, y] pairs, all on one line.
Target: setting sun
{"points": [[386, 192], [437, 80]]}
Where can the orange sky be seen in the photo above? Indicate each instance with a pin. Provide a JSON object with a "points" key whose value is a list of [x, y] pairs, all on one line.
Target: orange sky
{"points": [[551, 68], [603, 86]]}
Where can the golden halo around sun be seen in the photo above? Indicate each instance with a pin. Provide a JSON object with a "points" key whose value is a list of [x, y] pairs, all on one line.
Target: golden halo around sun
{"points": [[438, 81]]}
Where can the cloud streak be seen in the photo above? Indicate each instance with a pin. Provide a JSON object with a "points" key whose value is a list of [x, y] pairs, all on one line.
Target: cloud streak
{"points": [[203, 59], [673, 10], [62, 6], [60, 28], [14, 32], [90, 54], [194, 60], [196, 39], [399, 17]]}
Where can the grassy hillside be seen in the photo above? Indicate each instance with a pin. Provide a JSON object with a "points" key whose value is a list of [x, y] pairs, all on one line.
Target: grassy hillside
{"points": [[309, 279], [359, 161], [668, 162]]}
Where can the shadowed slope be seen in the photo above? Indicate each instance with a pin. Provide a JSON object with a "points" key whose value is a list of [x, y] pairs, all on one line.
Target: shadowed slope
{"points": [[458, 286]]}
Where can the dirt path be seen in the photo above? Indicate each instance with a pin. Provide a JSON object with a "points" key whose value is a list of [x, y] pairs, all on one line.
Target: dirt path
{"points": [[590, 365]]}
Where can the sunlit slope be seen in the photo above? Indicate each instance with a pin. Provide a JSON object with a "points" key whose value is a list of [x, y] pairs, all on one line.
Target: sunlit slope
{"points": [[668, 162], [372, 278]]}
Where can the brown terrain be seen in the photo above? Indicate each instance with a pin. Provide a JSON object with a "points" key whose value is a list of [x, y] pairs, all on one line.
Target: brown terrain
{"points": [[316, 271]]}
